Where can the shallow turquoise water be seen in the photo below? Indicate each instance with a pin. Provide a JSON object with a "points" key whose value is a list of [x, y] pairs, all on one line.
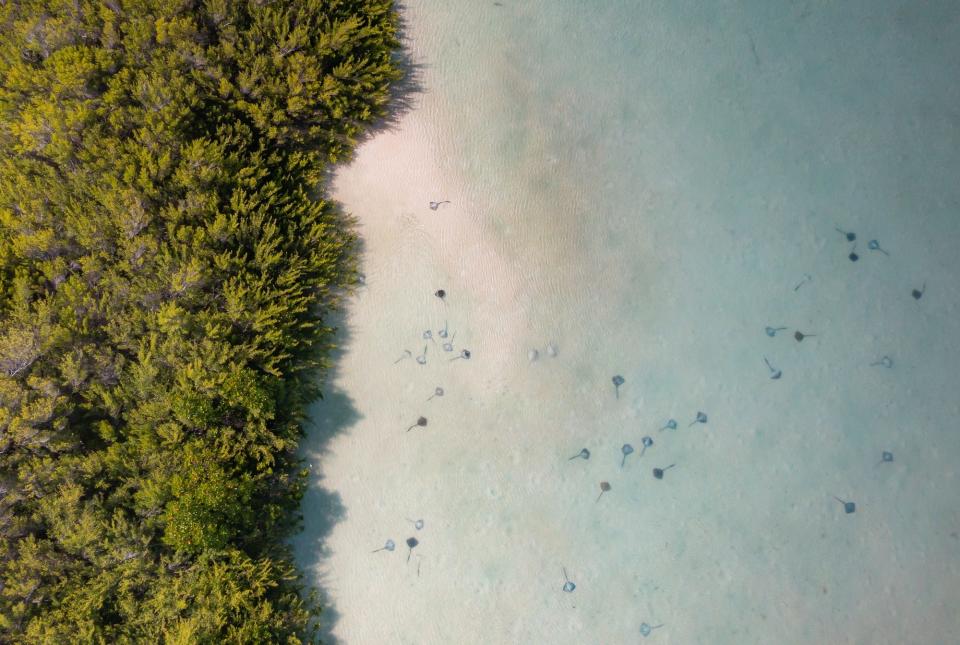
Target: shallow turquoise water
{"points": [[660, 181]]}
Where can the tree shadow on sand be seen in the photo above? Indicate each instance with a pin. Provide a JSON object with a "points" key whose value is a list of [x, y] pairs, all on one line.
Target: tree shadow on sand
{"points": [[334, 413], [322, 507]]}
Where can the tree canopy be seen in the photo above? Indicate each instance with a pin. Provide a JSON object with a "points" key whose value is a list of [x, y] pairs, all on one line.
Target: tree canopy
{"points": [[165, 276]]}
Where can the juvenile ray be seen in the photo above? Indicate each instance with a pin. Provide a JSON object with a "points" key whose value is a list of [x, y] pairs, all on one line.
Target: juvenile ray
{"points": [[775, 374], [421, 423], [874, 245], [604, 487], [411, 542], [671, 425], [645, 629], [848, 507], [647, 442], [658, 472], [617, 382], [701, 418], [626, 450], [851, 237]]}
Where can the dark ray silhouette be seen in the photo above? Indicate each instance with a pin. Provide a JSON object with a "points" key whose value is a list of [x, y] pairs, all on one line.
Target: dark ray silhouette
{"points": [[848, 507], [604, 487], [658, 472], [411, 542], [421, 423], [617, 382]]}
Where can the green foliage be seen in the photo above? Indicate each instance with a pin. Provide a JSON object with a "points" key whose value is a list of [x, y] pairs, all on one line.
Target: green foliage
{"points": [[164, 278]]}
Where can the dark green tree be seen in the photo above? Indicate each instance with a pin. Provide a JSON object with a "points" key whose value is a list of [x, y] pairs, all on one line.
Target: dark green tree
{"points": [[165, 277]]}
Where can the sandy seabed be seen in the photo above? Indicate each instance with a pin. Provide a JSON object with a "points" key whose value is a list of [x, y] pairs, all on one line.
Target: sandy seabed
{"points": [[741, 542]]}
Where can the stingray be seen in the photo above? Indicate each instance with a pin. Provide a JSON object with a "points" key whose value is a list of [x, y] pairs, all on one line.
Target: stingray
{"points": [[428, 335], [851, 237], [885, 361], [647, 442], [626, 450], [443, 332], [411, 542], [645, 629], [806, 278], [568, 585], [617, 382], [772, 331], [417, 524], [671, 425], [583, 454], [774, 372], [701, 418], [421, 423], [853, 254], [799, 335], [406, 354], [885, 458], [604, 487], [435, 205], [422, 358], [440, 293], [389, 545], [848, 507], [658, 472], [464, 353], [436, 392], [448, 346], [918, 293], [874, 245]]}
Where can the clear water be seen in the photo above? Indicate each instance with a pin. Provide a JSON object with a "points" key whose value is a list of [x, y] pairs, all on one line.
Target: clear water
{"points": [[644, 185]]}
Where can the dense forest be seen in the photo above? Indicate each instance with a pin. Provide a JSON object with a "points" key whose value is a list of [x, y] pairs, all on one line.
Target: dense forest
{"points": [[166, 271]]}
